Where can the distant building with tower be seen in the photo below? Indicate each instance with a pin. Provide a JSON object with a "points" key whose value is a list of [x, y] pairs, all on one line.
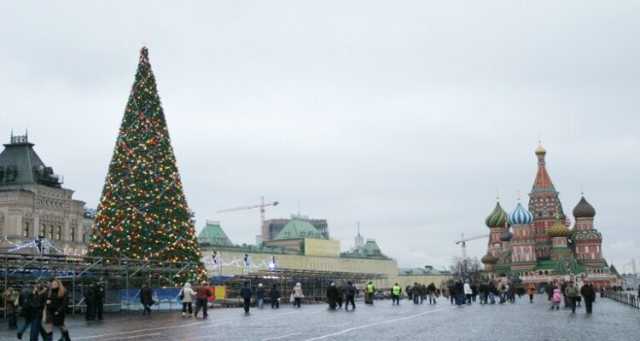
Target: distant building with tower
{"points": [[35, 208], [537, 244], [272, 227]]}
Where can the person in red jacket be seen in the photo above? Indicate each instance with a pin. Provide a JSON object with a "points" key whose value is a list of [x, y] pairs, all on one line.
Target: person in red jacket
{"points": [[202, 300]]}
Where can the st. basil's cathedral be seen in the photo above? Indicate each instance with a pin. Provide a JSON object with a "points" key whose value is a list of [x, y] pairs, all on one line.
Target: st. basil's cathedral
{"points": [[537, 244]]}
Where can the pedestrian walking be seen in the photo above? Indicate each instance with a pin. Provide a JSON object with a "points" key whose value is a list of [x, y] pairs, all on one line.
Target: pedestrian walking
{"points": [[297, 294], [571, 293], [259, 296], [474, 292], [202, 300], [467, 291], [246, 295], [11, 302], [431, 293], [531, 290], [55, 310], [186, 296], [556, 298], [589, 295], [146, 298], [415, 292], [37, 302], [98, 299], [396, 291], [350, 294], [275, 297], [89, 300], [340, 297], [332, 296], [370, 292], [26, 295]]}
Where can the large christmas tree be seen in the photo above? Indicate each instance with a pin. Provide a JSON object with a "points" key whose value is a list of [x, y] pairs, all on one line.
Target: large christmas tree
{"points": [[143, 213]]}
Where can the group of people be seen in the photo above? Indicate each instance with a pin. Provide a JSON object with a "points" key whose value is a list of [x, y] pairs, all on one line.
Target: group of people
{"points": [[187, 296], [42, 306], [487, 292], [572, 294], [418, 293], [339, 294]]}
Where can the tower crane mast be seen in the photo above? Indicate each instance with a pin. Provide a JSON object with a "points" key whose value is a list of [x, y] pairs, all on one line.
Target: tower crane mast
{"points": [[262, 206], [463, 242]]}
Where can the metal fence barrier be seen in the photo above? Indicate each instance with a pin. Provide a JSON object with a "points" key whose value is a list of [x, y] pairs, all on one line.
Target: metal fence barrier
{"points": [[624, 297]]}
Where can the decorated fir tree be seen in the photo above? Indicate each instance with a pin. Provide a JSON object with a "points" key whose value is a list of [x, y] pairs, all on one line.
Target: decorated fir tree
{"points": [[143, 213]]}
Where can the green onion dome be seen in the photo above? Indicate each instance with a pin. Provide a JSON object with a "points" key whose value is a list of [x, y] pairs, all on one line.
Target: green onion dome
{"points": [[497, 218]]}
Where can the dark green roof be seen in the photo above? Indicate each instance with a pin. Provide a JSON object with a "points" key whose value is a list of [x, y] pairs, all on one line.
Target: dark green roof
{"points": [[20, 165], [297, 228], [213, 234]]}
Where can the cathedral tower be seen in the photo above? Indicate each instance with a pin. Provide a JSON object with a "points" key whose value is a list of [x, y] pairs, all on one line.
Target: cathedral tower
{"points": [[523, 255], [588, 240], [543, 203], [497, 223]]}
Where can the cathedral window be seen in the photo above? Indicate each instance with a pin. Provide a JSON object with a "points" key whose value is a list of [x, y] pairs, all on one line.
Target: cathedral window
{"points": [[59, 233], [25, 231]]}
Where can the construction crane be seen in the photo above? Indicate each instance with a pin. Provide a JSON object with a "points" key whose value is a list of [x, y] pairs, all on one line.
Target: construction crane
{"points": [[463, 242], [262, 205]]}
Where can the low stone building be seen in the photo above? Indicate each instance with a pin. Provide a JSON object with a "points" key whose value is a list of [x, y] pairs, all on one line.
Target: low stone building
{"points": [[35, 207]]}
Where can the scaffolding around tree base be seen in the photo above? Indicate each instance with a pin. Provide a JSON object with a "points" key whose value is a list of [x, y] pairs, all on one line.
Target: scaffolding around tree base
{"points": [[314, 282], [121, 277]]}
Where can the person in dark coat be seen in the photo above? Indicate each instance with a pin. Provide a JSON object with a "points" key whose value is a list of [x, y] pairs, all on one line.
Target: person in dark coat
{"points": [[26, 295], [146, 298], [89, 313], [340, 298], [275, 297], [98, 297], [332, 296], [246, 295], [350, 294], [56, 306], [589, 296], [37, 302]]}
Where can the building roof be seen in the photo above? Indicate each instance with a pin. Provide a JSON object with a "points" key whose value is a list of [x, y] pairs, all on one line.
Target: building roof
{"points": [[20, 165], [297, 228], [584, 209], [426, 271], [213, 234]]}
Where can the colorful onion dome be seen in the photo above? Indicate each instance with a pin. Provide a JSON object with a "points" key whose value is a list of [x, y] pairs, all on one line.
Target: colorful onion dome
{"points": [[540, 150], [584, 209], [520, 216], [558, 230], [506, 236], [497, 218], [489, 259]]}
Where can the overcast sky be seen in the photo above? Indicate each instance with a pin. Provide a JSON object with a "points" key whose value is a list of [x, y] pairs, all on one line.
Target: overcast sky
{"points": [[408, 117]]}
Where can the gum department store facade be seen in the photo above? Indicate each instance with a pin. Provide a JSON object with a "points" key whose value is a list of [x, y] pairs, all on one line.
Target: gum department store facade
{"points": [[537, 244], [34, 205]]}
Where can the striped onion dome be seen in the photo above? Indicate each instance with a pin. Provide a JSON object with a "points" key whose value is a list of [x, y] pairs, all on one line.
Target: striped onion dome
{"points": [[520, 216], [497, 218], [558, 229]]}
